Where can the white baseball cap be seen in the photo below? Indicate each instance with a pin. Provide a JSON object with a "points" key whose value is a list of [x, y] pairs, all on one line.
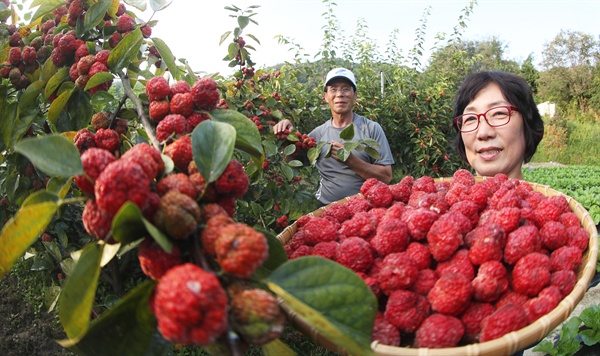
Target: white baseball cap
{"points": [[340, 73]]}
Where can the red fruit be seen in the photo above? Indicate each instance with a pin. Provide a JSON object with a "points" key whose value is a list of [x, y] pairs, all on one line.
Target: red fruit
{"points": [[564, 280], [531, 274], [67, 44], [147, 157], [439, 331], [85, 63], [146, 30], [176, 181], [400, 192], [205, 94], [179, 87], [451, 294], [119, 182], [425, 184], [154, 260], [100, 120], [566, 258], [491, 282], [379, 195], [444, 238], [171, 126], [108, 139], [458, 263], [406, 310], [520, 242], [419, 221], [339, 212], [46, 237], [241, 250], [357, 204], [195, 118], [177, 214], [547, 300], [384, 332], [425, 281], [326, 249], [420, 254], [504, 320], [102, 56], [212, 231], [29, 55], [487, 243], [233, 181], [198, 182], [547, 210], [463, 177], [553, 235], [157, 88], [182, 103], [391, 236], [81, 51], [84, 139], [362, 224], [356, 254], [319, 229], [180, 151], [125, 23], [93, 160], [96, 222], [190, 306], [398, 271], [158, 109], [97, 67], [256, 316], [472, 318]]}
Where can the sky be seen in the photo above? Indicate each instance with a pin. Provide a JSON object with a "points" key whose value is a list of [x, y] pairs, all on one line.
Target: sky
{"points": [[192, 29]]}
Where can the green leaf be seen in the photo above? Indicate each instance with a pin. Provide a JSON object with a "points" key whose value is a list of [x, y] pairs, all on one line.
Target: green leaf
{"points": [[77, 297], [347, 133], [29, 98], [295, 163], [55, 81], [277, 255], [48, 71], [247, 137], [128, 328], [289, 150], [369, 142], [58, 105], [53, 250], [46, 7], [224, 37], [95, 14], [22, 230], [373, 153], [39, 197], [98, 78], [212, 147], [54, 155], [287, 172], [7, 123], [129, 225], [127, 49], [158, 5], [167, 57], [332, 298], [243, 21], [138, 4], [59, 186]]}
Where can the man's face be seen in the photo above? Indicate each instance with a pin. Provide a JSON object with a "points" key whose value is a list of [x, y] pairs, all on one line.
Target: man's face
{"points": [[340, 96]]}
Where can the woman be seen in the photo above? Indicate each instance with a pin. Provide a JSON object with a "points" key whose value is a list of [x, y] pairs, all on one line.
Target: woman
{"points": [[499, 126]]}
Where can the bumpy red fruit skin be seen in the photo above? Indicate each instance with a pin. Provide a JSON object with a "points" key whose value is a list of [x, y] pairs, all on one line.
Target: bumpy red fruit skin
{"points": [[504, 320], [159, 109], [362, 224], [379, 195], [107, 139], [96, 222], [212, 231], [195, 118], [233, 181], [338, 211], [119, 182], [180, 152], [565, 258], [205, 94], [172, 125], [182, 103], [102, 56], [384, 332], [84, 139], [241, 250], [355, 253], [94, 160], [419, 221], [157, 88], [451, 294], [180, 86], [406, 310], [398, 271], [147, 157], [391, 236], [491, 282], [177, 214], [472, 318], [125, 23], [554, 235], [179, 182], [319, 229], [520, 242], [155, 261], [458, 263], [190, 306], [256, 316], [439, 331], [444, 238], [531, 274]]}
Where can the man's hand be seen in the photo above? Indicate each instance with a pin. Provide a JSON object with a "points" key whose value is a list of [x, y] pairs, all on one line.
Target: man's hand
{"points": [[282, 125], [335, 146]]}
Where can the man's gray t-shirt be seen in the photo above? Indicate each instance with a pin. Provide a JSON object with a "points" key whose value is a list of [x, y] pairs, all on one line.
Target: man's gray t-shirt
{"points": [[337, 180]]}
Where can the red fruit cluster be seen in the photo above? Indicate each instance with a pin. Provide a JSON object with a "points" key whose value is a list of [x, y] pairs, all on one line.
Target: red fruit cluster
{"points": [[453, 262], [178, 108], [106, 139], [86, 65]]}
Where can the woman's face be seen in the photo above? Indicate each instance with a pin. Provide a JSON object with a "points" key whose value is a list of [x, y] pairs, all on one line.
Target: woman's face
{"points": [[492, 150]]}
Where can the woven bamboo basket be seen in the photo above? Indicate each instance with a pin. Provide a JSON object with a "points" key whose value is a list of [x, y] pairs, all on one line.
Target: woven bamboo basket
{"points": [[505, 345]]}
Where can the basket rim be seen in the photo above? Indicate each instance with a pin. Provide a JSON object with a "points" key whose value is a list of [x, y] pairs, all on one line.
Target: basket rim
{"points": [[510, 342]]}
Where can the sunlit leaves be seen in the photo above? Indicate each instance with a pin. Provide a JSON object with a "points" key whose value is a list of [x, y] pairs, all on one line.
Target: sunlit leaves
{"points": [[55, 155], [127, 49], [212, 146], [167, 56]]}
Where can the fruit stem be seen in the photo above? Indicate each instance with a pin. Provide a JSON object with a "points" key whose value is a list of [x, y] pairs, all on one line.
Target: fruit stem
{"points": [[140, 110]]}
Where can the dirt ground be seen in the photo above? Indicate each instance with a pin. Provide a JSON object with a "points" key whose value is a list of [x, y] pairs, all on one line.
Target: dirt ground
{"points": [[22, 332]]}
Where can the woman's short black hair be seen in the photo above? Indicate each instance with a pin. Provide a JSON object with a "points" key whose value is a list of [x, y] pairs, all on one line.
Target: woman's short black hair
{"points": [[517, 92]]}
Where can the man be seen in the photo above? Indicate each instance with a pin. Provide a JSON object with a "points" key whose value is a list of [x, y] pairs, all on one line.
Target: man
{"points": [[341, 179]]}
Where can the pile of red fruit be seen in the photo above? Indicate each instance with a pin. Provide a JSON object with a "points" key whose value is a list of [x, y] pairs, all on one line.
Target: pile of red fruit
{"points": [[452, 262]]}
